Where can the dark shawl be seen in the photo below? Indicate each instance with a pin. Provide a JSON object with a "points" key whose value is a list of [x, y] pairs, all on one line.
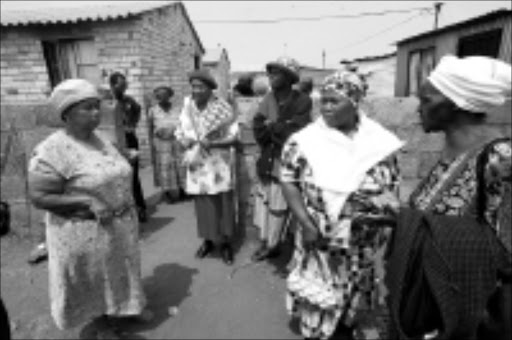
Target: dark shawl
{"points": [[272, 125], [441, 271]]}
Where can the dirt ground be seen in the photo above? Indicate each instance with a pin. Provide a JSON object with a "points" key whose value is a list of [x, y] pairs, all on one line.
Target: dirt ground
{"points": [[211, 303]]}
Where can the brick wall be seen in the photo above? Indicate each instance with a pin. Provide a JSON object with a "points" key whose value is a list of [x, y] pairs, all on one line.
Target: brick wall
{"points": [[168, 47], [155, 48], [23, 69]]}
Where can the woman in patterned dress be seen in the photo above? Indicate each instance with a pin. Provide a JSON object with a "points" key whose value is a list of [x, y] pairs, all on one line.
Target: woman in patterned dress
{"points": [[163, 119], [208, 130], [338, 168], [84, 183], [473, 175]]}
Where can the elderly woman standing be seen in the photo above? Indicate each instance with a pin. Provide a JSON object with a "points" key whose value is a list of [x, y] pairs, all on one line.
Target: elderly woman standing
{"points": [[92, 230], [281, 112], [335, 170], [471, 181], [208, 130], [162, 120]]}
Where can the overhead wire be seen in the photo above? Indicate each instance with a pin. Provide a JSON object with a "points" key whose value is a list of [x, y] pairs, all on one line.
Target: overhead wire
{"points": [[317, 18], [379, 33]]}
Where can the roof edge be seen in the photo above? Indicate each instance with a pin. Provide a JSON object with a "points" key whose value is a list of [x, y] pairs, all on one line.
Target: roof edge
{"points": [[192, 27], [503, 12]]}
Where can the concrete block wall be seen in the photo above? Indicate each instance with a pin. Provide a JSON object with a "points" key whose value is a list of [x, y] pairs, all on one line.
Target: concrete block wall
{"points": [[23, 69], [417, 157], [25, 126]]}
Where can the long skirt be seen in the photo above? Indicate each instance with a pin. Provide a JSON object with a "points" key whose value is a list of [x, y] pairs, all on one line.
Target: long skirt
{"points": [[270, 213], [215, 216], [169, 172], [93, 269]]}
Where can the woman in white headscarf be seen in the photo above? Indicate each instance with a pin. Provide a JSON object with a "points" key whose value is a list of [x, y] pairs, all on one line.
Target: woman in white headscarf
{"points": [[473, 175], [84, 184], [337, 169]]}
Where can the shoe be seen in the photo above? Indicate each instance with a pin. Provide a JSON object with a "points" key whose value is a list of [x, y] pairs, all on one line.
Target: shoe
{"points": [[259, 253], [265, 253], [40, 253], [172, 197], [227, 254], [143, 216], [205, 249]]}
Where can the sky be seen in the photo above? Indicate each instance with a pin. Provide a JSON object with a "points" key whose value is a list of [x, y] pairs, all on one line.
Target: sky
{"points": [[250, 45]]}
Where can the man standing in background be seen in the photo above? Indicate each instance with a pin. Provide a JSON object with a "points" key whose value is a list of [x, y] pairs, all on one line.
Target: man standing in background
{"points": [[130, 111]]}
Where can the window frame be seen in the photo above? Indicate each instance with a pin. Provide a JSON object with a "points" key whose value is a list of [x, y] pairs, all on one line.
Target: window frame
{"points": [[52, 49]]}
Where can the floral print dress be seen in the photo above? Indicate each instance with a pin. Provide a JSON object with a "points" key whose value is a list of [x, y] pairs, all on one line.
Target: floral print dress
{"points": [[211, 172], [94, 268], [350, 259], [452, 187]]}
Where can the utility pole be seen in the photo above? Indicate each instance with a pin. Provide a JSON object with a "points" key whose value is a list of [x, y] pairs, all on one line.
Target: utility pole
{"points": [[437, 11], [323, 59]]}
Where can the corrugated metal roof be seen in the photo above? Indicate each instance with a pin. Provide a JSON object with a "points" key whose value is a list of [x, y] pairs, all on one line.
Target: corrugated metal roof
{"points": [[93, 11], [212, 55], [473, 21]]}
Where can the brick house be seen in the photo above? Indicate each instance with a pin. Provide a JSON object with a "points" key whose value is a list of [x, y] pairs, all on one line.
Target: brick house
{"points": [[152, 43], [217, 61]]}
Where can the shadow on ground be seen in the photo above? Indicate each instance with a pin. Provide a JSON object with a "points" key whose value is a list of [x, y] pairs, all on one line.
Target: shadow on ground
{"points": [[161, 297], [153, 225]]}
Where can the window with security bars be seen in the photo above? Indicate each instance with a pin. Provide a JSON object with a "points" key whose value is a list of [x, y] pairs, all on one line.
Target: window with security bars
{"points": [[421, 63], [71, 58]]}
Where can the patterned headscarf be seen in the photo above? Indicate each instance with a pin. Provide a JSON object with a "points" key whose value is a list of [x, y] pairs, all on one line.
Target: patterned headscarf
{"points": [[348, 83]]}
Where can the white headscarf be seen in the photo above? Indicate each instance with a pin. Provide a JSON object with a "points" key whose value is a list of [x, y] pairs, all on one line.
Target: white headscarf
{"points": [[475, 84]]}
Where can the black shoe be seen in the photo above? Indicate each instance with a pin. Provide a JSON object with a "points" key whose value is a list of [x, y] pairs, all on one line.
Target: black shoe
{"points": [[259, 254], [227, 254], [172, 197], [265, 253], [205, 249]]}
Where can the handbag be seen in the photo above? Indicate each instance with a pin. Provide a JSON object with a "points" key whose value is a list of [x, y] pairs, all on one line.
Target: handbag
{"points": [[311, 281]]}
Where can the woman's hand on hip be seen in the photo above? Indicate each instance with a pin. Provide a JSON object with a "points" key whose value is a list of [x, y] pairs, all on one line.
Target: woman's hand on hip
{"points": [[102, 211]]}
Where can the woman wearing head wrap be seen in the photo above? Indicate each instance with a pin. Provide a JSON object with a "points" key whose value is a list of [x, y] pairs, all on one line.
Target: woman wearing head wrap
{"points": [[84, 184], [337, 169], [282, 111], [473, 176], [208, 130], [162, 121]]}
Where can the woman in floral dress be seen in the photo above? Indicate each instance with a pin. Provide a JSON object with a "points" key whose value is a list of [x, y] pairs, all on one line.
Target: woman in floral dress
{"points": [[163, 119], [332, 281], [84, 183], [208, 130]]}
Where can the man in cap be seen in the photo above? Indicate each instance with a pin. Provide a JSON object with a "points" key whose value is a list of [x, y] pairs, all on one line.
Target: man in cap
{"points": [[282, 112]]}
